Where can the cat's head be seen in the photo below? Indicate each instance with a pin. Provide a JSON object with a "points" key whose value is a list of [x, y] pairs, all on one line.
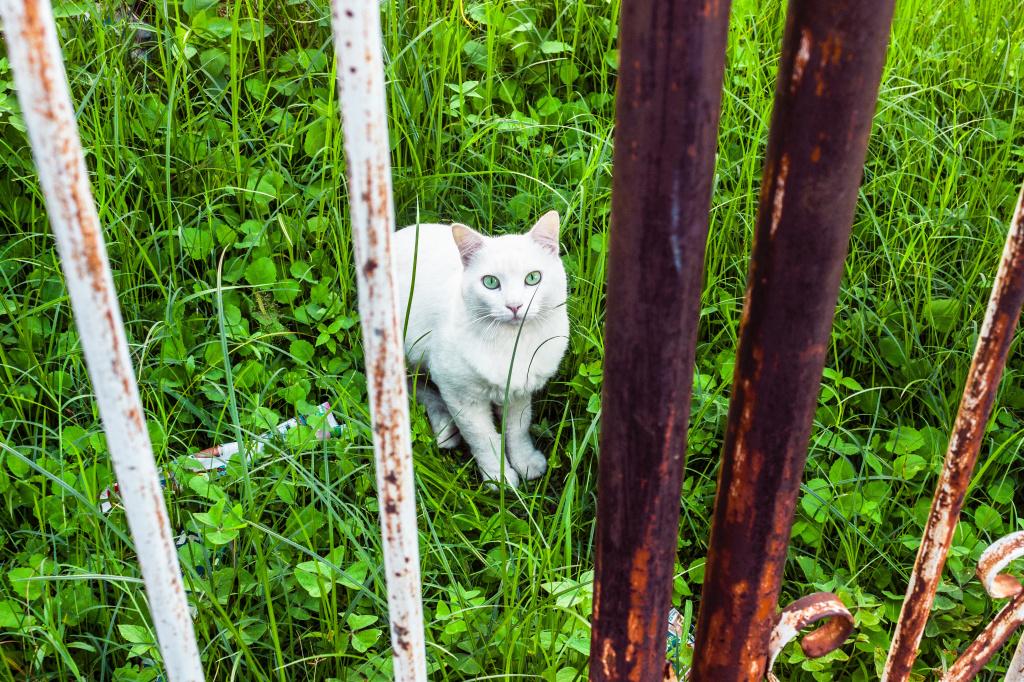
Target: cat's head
{"points": [[506, 279]]}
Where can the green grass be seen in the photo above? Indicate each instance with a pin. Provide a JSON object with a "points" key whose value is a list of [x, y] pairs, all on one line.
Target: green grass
{"points": [[225, 141]]}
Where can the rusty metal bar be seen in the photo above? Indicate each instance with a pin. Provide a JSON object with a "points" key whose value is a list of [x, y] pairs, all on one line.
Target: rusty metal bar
{"points": [[360, 65], [45, 100], [668, 101], [999, 586], [993, 344], [981, 650], [831, 65]]}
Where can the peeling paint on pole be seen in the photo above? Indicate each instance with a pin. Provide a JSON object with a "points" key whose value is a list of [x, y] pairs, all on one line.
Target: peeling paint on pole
{"points": [[46, 105], [975, 407], [667, 107], [360, 64], [827, 87], [984, 647]]}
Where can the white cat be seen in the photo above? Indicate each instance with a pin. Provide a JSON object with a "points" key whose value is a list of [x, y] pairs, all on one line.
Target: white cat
{"points": [[475, 300]]}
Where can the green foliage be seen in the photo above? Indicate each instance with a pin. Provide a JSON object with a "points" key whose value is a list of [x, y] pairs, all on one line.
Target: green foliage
{"points": [[218, 169]]}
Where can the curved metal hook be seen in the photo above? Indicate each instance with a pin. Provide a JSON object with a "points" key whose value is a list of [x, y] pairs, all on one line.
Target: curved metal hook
{"points": [[807, 611], [999, 586], [996, 558]]}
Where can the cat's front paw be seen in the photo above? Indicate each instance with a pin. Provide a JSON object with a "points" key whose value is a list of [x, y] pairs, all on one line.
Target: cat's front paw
{"points": [[448, 436], [532, 465], [443, 426], [493, 475]]}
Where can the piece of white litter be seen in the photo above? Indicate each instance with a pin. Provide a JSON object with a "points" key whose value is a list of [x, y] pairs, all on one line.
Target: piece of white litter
{"points": [[216, 459]]}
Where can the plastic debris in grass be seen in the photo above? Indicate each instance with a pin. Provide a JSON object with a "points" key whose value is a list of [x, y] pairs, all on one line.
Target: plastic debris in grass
{"points": [[216, 458], [192, 551], [679, 642]]}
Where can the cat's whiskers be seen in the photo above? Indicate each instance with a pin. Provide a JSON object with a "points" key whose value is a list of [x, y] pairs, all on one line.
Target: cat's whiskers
{"points": [[482, 316]]}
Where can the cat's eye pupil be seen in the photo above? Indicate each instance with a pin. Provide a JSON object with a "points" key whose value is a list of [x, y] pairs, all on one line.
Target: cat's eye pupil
{"points": [[490, 281], [533, 278]]}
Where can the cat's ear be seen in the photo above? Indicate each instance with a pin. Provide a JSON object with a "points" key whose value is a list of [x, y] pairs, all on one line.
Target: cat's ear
{"points": [[468, 240], [545, 232]]}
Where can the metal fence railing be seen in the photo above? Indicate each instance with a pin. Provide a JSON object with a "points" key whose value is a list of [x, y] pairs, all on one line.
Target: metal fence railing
{"points": [[42, 86], [829, 73], [357, 43], [669, 95], [668, 100], [997, 330]]}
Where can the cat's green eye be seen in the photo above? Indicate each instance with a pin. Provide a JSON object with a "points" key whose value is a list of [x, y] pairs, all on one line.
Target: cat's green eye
{"points": [[533, 278], [491, 282]]}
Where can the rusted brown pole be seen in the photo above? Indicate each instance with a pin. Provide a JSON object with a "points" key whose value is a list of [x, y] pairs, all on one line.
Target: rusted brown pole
{"points": [[668, 100], [832, 57], [993, 344]]}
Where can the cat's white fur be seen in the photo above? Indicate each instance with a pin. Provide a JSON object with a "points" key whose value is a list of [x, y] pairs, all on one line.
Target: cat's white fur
{"points": [[463, 334]]}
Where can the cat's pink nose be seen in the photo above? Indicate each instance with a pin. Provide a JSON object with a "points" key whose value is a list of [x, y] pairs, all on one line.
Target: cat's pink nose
{"points": [[514, 308]]}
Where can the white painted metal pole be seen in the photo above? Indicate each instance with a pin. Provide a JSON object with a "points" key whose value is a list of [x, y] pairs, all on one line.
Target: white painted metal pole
{"points": [[42, 87], [1015, 673], [357, 45]]}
